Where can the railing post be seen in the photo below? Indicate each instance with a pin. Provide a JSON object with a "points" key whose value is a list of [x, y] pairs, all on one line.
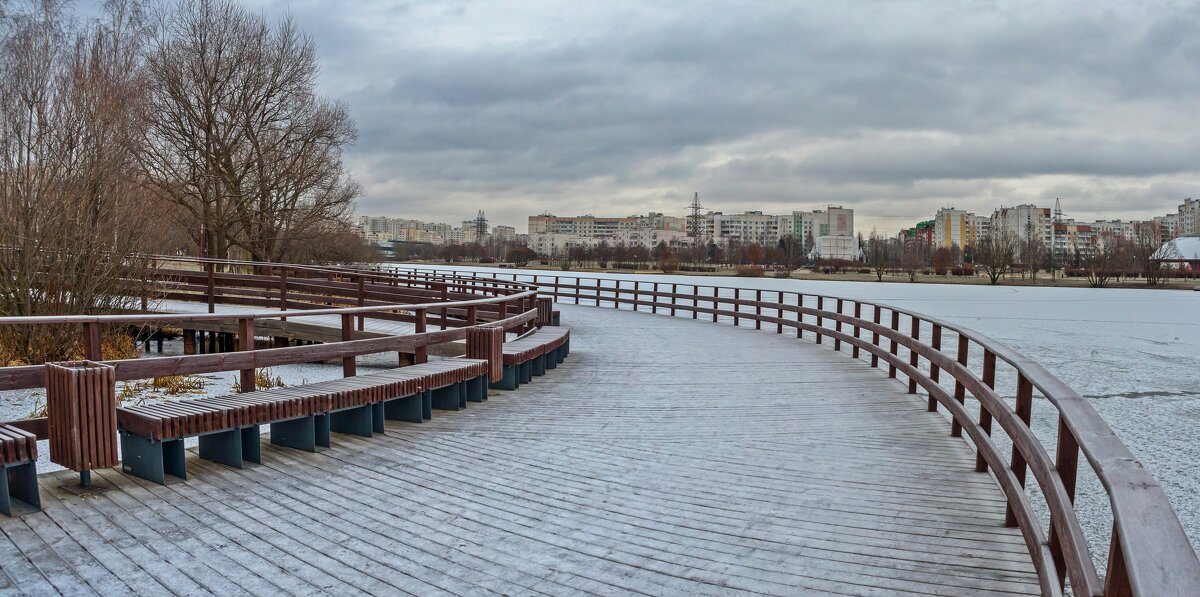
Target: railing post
{"points": [[1116, 578], [892, 348], [654, 299], [91, 341], [716, 302], [283, 289], [857, 328], [212, 299], [779, 314], [362, 302], [246, 343], [617, 295], [1066, 463], [960, 391], [1024, 410], [934, 371], [799, 315], [421, 354], [695, 301], [737, 308], [820, 320], [875, 336], [758, 310], [985, 417], [636, 289], [837, 342], [674, 291], [472, 315], [912, 354], [597, 292]]}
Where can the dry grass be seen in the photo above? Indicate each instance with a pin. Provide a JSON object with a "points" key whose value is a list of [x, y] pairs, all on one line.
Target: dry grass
{"points": [[136, 392], [262, 381]]}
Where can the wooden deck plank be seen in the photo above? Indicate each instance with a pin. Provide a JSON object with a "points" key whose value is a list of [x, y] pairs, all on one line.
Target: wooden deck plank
{"points": [[666, 456]]}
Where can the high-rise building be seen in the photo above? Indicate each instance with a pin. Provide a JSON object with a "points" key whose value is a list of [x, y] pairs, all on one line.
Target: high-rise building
{"points": [[955, 228], [1189, 218], [1023, 222]]}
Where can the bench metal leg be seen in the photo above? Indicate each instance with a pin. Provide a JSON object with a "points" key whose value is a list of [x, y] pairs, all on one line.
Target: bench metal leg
{"points": [[460, 388], [526, 371], [377, 416], [352, 421], [539, 365], [321, 425], [406, 408], [427, 405], [300, 434], [446, 398], [552, 359], [224, 447], [251, 444], [509, 381], [475, 390], [152, 460], [19, 489]]}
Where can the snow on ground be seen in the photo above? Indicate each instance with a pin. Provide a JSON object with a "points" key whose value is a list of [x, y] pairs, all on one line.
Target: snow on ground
{"points": [[1133, 353]]}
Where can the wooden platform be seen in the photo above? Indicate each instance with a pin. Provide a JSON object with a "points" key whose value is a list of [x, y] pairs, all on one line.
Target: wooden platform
{"points": [[666, 456]]}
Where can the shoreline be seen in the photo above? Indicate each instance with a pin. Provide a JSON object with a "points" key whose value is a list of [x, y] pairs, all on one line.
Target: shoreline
{"points": [[948, 280]]}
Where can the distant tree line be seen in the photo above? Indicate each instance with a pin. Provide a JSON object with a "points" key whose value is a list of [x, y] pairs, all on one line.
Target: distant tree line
{"points": [[1002, 254]]}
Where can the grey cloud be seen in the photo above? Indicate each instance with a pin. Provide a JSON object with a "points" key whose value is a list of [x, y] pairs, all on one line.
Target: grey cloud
{"points": [[894, 108]]}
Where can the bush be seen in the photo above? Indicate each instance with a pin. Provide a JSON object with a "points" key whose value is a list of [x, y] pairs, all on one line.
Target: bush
{"points": [[487, 260], [750, 271], [964, 270], [864, 270], [782, 273], [940, 271]]}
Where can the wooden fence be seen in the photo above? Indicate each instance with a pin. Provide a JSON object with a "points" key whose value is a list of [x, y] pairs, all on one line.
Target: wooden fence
{"points": [[1149, 553]]}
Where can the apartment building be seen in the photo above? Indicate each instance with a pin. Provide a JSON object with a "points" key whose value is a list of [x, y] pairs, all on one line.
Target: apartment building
{"points": [[957, 228], [1189, 218], [833, 221], [1023, 222]]}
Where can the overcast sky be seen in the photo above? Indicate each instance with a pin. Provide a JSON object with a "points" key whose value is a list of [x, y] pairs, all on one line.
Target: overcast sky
{"points": [[892, 108]]}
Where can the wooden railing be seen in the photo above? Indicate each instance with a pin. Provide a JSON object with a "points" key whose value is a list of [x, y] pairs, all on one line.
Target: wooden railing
{"points": [[1149, 553], [284, 291]]}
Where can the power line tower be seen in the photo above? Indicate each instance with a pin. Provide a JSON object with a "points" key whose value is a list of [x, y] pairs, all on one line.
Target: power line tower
{"points": [[481, 227], [695, 220], [1059, 249]]}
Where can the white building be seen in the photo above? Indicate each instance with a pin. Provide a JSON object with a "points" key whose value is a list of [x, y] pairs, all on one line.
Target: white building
{"points": [[650, 238], [504, 234], [750, 227], [836, 247], [1189, 218], [833, 221], [559, 245], [1023, 222]]}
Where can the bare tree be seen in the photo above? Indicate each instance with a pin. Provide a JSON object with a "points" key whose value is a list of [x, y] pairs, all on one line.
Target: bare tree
{"points": [[1105, 260], [995, 254], [238, 137], [1147, 253], [1034, 254], [880, 255], [72, 213]]}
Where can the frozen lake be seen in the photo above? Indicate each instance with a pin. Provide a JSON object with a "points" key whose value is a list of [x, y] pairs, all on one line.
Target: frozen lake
{"points": [[1135, 354]]}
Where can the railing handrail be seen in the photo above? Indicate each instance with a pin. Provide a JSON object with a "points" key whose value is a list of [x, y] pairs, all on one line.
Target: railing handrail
{"points": [[1150, 549]]}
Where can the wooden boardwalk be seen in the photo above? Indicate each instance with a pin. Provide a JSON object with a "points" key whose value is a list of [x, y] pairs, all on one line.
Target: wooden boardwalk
{"points": [[666, 456]]}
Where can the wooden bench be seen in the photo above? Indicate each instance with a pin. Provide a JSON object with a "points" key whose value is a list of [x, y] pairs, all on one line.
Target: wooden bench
{"points": [[532, 354], [18, 481], [301, 417]]}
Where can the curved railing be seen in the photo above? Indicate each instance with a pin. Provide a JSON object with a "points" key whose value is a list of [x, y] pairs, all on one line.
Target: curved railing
{"points": [[1149, 553], [284, 292]]}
